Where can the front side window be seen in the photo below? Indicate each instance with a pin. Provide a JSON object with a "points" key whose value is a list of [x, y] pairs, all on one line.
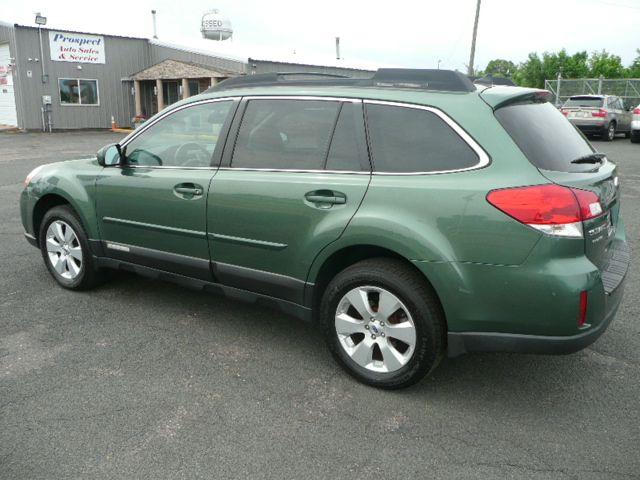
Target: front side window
{"points": [[186, 138], [285, 134], [405, 140], [78, 91]]}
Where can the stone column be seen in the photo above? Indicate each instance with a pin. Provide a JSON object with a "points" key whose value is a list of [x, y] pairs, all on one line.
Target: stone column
{"points": [[185, 88], [137, 97], [214, 80], [160, 95]]}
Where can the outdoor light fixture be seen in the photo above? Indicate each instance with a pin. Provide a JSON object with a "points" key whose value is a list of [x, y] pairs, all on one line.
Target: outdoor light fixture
{"points": [[40, 19]]}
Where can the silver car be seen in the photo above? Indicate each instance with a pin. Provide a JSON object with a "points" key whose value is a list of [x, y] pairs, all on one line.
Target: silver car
{"points": [[603, 115], [635, 125]]}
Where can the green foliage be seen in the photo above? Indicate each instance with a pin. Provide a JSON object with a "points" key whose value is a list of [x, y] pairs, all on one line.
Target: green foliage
{"points": [[607, 65], [536, 69], [500, 68]]}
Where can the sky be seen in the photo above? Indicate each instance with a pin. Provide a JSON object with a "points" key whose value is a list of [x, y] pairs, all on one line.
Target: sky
{"points": [[400, 33]]}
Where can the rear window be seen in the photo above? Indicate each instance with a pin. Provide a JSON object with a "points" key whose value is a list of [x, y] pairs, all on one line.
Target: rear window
{"points": [[584, 102], [545, 136]]}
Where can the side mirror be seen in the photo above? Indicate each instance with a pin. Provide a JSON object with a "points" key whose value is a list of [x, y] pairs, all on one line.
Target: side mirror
{"points": [[110, 155]]}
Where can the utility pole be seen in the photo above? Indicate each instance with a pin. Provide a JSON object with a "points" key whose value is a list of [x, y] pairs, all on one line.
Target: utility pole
{"points": [[473, 40]]}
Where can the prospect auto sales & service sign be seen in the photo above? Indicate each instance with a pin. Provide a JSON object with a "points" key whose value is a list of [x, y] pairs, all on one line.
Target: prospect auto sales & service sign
{"points": [[76, 47]]}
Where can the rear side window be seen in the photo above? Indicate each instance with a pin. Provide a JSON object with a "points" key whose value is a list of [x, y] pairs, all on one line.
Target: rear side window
{"points": [[405, 139], [285, 134], [584, 102], [348, 147], [545, 136]]}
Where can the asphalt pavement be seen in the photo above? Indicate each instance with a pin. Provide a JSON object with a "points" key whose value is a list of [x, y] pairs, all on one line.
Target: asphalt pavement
{"points": [[144, 379]]}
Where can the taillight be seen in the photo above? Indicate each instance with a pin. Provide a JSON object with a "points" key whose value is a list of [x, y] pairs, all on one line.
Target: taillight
{"points": [[551, 209], [636, 111], [582, 310], [599, 113], [565, 112]]}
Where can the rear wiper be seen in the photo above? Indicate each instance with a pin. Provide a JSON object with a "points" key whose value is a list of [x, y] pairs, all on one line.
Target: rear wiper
{"points": [[591, 158]]}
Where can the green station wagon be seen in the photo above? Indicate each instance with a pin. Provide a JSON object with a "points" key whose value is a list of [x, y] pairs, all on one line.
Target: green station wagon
{"points": [[410, 215]]}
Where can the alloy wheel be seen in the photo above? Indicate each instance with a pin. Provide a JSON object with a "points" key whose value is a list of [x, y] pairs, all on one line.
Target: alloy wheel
{"points": [[611, 132], [375, 329], [63, 249]]}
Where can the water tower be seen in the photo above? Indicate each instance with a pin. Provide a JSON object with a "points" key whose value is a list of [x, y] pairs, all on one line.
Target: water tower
{"points": [[215, 26]]}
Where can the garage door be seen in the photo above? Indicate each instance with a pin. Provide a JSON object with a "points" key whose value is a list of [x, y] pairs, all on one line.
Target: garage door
{"points": [[7, 98]]}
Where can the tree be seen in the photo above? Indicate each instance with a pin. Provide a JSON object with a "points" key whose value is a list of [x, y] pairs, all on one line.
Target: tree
{"points": [[529, 73], [605, 64], [500, 68], [634, 68]]}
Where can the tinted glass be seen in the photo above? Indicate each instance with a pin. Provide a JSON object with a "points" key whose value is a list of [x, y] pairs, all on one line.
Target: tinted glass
{"points": [[413, 140], [89, 92], [186, 138], [285, 134], [348, 150], [584, 102], [68, 90], [545, 136]]}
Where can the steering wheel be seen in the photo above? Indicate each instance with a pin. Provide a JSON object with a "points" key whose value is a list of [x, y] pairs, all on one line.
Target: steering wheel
{"points": [[202, 158]]}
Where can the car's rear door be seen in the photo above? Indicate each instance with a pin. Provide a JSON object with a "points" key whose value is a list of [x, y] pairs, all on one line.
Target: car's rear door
{"points": [[289, 186], [152, 209]]}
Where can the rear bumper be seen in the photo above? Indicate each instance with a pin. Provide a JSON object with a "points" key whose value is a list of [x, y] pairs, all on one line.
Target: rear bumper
{"points": [[613, 276], [460, 343], [591, 128]]}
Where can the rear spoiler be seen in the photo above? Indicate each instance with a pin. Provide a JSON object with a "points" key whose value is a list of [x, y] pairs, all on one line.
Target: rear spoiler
{"points": [[499, 96]]}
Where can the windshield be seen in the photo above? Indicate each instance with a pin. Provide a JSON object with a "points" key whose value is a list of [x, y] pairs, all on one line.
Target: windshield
{"points": [[545, 136], [584, 102]]}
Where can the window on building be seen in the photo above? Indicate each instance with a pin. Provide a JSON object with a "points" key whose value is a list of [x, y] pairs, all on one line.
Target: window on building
{"points": [[414, 140], [186, 138], [285, 134], [194, 87], [78, 91]]}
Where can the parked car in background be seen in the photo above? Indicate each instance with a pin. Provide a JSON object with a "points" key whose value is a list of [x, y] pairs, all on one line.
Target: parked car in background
{"points": [[635, 125], [410, 215], [603, 115]]}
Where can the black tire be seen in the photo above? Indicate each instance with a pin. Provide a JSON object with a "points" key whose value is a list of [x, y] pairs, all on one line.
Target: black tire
{"points": [[88, 276], [609, 133], [627, 134], [415, 293], [635, 136]]}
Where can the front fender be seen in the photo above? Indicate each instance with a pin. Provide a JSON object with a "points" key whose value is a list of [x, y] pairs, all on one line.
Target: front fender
{"points": [[74, 181]]}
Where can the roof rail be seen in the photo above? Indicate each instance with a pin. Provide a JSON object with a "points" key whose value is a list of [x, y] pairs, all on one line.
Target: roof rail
{"points": [[424, 79]]}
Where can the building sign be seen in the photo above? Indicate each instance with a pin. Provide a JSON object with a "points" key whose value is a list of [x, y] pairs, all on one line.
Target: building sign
{"points": [[76, 47], [5, 75]]}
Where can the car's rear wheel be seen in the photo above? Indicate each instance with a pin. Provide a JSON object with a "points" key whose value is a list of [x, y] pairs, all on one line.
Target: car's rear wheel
{"points": [[610, 132], [383, 323], [65, 250], [635, 136]]}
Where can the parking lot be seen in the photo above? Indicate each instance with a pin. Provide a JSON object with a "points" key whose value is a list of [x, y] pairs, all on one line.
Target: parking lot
{"points": [[143, 379]]}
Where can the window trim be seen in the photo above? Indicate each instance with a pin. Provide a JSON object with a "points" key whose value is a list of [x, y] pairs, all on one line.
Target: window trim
{"points": [[132, 136], [483, 157], [63, 104]]}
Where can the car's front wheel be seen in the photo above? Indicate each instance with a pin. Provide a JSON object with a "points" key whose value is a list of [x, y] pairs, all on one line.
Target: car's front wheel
{"points": [[383, 323], [65, 250]]}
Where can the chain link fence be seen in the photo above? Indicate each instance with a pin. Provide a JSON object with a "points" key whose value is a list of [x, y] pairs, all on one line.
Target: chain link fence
{"points": [[626, 88]]}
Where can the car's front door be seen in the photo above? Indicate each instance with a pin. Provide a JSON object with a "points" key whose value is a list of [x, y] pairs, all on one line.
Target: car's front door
{"points": [[152, 207], [295, 177]]}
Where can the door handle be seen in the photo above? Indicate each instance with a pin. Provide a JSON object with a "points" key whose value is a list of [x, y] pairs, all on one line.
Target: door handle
{"points": [[327, 197], [188, 189]]}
